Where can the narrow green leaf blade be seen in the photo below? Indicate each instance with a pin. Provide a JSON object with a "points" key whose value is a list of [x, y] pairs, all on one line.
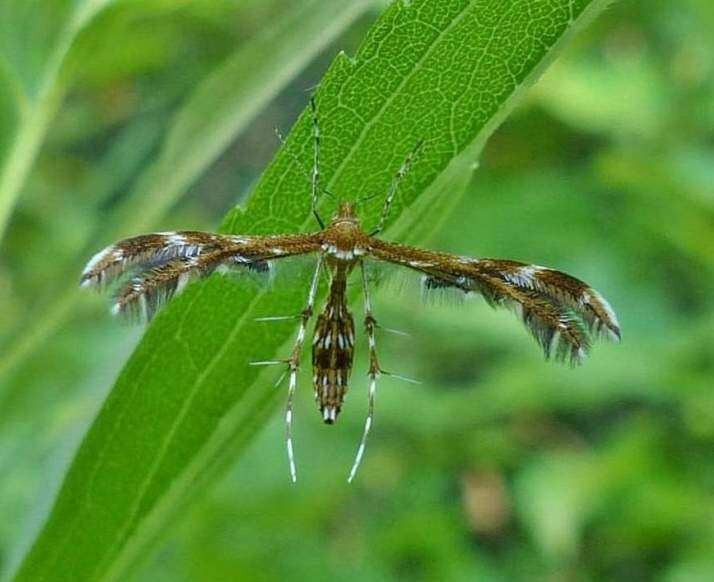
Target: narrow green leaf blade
{"points": [[443, 71], [35, 38], [230, 98], [219, 109]]}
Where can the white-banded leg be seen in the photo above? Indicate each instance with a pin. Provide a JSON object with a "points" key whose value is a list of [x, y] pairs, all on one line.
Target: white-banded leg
{"points": [[403, 170], [293, 363], [278, 318], [294, 366], [370, 325], [315, 161]]}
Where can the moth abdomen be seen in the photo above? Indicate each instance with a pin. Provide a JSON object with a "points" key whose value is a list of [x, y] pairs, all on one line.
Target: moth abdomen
{"points": [[333, 351]]}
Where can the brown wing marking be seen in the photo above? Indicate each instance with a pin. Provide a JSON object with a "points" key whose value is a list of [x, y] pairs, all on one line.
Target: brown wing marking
{"points": [[557, 308], [154, 250], [140, 251], [162, 264], [145, 293]]}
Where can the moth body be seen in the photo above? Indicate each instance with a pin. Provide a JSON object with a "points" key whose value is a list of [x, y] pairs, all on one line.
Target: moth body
{"points": [[561, 312], [333, 346]]}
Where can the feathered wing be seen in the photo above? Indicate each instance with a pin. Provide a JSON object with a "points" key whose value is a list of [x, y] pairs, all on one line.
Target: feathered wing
{"points": [[560, 311], [161, 264]]}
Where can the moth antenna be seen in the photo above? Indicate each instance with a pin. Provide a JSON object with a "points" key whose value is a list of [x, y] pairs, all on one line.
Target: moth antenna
{"points": [[403, 170], [316, 161], [374, 372], [301, 166], [367, 198]]}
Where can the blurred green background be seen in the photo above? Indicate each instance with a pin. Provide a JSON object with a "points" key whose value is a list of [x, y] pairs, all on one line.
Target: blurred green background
{"points": [[499, 466]]}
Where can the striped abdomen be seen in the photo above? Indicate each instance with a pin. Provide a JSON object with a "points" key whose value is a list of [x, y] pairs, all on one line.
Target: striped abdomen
{"points": [[332, 350]]}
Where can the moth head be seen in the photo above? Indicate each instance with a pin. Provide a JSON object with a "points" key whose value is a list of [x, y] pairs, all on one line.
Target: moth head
{"points": [[345, 214]]}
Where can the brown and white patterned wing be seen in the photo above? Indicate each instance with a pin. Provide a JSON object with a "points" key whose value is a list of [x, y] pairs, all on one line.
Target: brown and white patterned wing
{"points": [[163, 263], [140, 251], [559, 310]]}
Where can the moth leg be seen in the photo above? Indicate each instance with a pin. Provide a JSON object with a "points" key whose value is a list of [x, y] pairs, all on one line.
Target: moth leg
{"points": [[303, 169], [278, 318], [316, 161], [370, 324], [294, 366], [403, 170]]}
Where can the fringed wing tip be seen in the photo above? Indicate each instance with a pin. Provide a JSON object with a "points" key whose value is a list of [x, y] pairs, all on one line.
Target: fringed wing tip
{"points": [[139, 307], [562, 320], [613, 333], [147, 250], [604, 320], [567, 342], [93, 274], [597, 317], [90, 280], [573, 348], [147, 292]]}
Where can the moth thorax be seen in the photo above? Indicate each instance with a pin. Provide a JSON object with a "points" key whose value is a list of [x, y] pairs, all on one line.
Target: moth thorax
{"points": [[332, 351]]}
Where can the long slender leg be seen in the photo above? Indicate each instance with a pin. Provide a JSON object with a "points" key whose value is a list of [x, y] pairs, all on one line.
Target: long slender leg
{"points": [[316, 161], [293, 363], [393, 188], [370, 325], [303, 169], [294, 366]]}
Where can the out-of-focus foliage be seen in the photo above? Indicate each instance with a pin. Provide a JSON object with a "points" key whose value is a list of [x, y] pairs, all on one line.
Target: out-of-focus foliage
{"points": [[186, 401], [499, 466]]}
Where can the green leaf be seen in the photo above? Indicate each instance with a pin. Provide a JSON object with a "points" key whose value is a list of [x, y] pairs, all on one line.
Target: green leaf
{"points": [[443, 71], [35, 38], [554, 496], [228, 99], [222, 106]]}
